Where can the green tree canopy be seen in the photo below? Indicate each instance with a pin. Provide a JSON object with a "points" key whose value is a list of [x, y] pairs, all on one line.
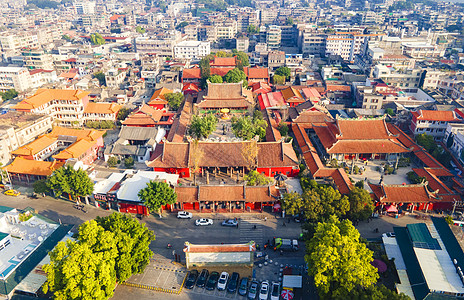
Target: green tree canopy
{"points": [[289, 21], [361, 204], [236, 75], [205, 66], [283, 129], [317, 203], [157, 194], [252, 29], [132, 241], [123, 113], [378, 292], [74, 183], [426, 141], [41, 187], [255, 178], [202, 127], [338, 260], [139, 29], [242, 59], [8, 95], [215, 79], [83, 269], [101, 77], [174, 100], [283, 71], [248, 127], [277, 79], [107, 250], [181, 25], [97, 39], [112, 162]]}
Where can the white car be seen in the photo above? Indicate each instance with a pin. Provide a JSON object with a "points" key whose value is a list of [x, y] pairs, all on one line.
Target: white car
{"points": [[203, 222], [184, 215], [264, 291], [222, 282]]}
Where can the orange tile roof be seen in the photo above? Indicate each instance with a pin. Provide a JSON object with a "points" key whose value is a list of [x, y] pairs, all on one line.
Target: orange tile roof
{"points": [[433, 182], [159, 94], [291, 94], [35, 146], [311, 94], [224, 62], [257, 73], [436, 115], [102, 108], [219, 248], [32, 167], [351, 129], [338, 88], [89, 134], [43, 96], [220, 71], [76, 150], [194, 73], [408, 193], [190, 86], [145, 115]]}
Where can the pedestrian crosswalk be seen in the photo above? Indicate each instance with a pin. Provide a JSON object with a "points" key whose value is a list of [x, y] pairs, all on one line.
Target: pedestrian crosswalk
{"points": [[248, 232]]}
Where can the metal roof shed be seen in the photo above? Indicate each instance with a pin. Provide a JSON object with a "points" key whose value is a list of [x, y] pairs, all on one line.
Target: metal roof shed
{"points": [[292, 281]]}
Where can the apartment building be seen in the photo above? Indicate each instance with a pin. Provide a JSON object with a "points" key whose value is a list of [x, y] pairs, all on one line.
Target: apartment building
{"points": [[18, 129], [150, 69], [276, 59], [422, 50], [13, 42], [207, 33], [114, 78], [405, 79], [226, 29], [242, 44], [66, 107], [14, 78], [313, 43], [192, 49], [37, 59], [163, 47], [273, 37], [432, 122], [454, 140], [348, 44]]}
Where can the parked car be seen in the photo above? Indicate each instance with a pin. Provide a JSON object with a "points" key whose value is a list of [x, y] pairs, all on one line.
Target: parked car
{"points": [[184, 215], [233, 283], [12, 192], [253, 290], [191, 279], [212, 281], [230, 223], [388, 234], [203, 222], [222, 282], [243, 287], [264, 291], [275, 291], [201, 281]]}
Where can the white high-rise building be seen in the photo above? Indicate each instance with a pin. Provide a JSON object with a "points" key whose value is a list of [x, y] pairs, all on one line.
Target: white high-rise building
{"points": [[85, 7], [14, 78]]}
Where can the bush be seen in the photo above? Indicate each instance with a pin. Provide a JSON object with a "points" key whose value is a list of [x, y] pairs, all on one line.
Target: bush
{"points": [[112, 162], [414, 178], [283, 129], [129, 162], [334, 163], [449, 220]]}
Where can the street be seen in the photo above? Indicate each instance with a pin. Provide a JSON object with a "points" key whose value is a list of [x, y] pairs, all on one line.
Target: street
{"points": [[169, 229]]}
